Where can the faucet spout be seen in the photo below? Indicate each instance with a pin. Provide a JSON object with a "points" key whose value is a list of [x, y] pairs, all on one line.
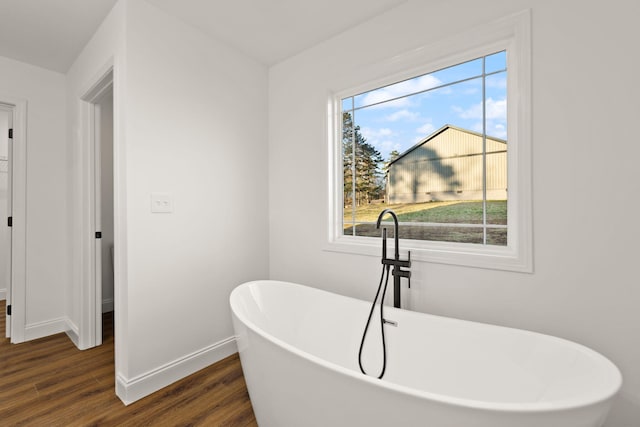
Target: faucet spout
{"points": [[395, 232]]}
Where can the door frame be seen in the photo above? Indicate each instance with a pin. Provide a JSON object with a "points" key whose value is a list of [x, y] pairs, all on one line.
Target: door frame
{"points": [[90, 330], [8, 110], [16, 289]]}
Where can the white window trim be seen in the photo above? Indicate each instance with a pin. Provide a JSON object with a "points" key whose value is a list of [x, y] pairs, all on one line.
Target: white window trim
{"points": [[512, 33]]}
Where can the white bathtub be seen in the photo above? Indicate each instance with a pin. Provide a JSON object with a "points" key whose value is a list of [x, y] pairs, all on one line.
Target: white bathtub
{"points": [[299, 352]]}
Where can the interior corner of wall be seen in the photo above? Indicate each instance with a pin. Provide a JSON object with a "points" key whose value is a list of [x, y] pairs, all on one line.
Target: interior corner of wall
{"points": [[72, 332]]}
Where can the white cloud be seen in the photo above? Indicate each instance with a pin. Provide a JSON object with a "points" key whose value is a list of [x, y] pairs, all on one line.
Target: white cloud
{"points": [[402, 115], [404, 88], [425, 130], [496, 130], [387, 147], [383, 139], [494, 110], [497, 82], [375, 134]]}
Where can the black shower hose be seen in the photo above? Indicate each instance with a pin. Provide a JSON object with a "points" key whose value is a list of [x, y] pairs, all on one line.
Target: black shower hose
{"points": [[373, 306]]}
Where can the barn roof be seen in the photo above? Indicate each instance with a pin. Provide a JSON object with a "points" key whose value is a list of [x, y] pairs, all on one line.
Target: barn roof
{"points": [[438, 132]]}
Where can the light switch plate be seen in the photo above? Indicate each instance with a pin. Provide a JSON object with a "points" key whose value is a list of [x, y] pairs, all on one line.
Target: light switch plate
{"points": [[161, 203]]}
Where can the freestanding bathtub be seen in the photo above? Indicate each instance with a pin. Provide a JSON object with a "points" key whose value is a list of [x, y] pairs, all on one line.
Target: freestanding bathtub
{"points": [[299, 352]]}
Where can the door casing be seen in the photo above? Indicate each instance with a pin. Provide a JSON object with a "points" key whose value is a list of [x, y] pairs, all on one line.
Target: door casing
{"points": [[16, 289], [90, 330]]}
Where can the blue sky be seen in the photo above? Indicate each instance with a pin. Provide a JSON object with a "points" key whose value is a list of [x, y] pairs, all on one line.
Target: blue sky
{"points": [[397, 116]]}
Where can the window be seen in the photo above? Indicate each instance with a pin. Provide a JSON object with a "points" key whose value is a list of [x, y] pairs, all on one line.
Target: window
{"points": [[434, 149], [448, 149]]}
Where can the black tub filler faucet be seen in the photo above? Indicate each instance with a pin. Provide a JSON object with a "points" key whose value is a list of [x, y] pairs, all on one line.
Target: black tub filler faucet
{"points": [[395, 262]]}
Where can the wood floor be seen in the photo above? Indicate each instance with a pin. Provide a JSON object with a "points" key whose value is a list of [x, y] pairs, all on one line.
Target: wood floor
{"points": [[49, 382]]}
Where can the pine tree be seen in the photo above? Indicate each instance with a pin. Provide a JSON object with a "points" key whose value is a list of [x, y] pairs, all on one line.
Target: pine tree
{"points": [[367, 165], [385, 180]]}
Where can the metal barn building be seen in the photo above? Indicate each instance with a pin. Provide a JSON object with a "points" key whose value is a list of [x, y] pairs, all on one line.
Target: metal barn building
{"points": [[447, 165]]}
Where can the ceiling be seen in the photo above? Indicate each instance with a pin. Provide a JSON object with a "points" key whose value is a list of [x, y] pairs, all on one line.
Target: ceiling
{"points": [[272, 30], [52, 33], [49, 33]]}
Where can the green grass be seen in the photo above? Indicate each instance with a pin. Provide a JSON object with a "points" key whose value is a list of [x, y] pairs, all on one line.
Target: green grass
{"points": [[461, 213], [370, 212], [467, 212]]}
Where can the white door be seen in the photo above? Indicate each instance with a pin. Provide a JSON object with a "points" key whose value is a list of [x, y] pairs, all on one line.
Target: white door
{"points": [[103, 205], [6, 144], [97, 203]]}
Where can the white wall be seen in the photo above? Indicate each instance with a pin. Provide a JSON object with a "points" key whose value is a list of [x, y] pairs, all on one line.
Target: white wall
{"points": [[196, 129], [106, 197], [585, 105], [47, 209], [190, 118], [5, 236]]}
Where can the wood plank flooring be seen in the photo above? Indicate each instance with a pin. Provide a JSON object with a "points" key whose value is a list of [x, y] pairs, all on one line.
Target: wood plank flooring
{"points": [[49, 382]]}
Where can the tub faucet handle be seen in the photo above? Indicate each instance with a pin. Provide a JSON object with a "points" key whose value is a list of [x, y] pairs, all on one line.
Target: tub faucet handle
{"points": [[404, 273], [408, 276]]}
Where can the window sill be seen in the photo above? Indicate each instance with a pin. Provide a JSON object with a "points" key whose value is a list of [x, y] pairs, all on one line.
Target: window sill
{"points": [[504, 258]]}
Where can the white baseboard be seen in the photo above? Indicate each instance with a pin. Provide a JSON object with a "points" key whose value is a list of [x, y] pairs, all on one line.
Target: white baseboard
{"points": [[130, 390], [107, 305], [44, 329], [3, 294]]}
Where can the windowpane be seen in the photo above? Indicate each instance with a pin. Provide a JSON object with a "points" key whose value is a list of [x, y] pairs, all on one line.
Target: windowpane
{"points": [[497, 236], [347, 104], [443, 234], [496, 62], [459, 72], [348, 134], [433, 149], [496, 128], [347, 224], [496, 104], [419, 84]]}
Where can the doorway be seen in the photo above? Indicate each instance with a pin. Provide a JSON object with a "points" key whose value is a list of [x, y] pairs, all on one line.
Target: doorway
{"points": [[98, 247], [13, 206], [6, 135], [104, 209]]}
